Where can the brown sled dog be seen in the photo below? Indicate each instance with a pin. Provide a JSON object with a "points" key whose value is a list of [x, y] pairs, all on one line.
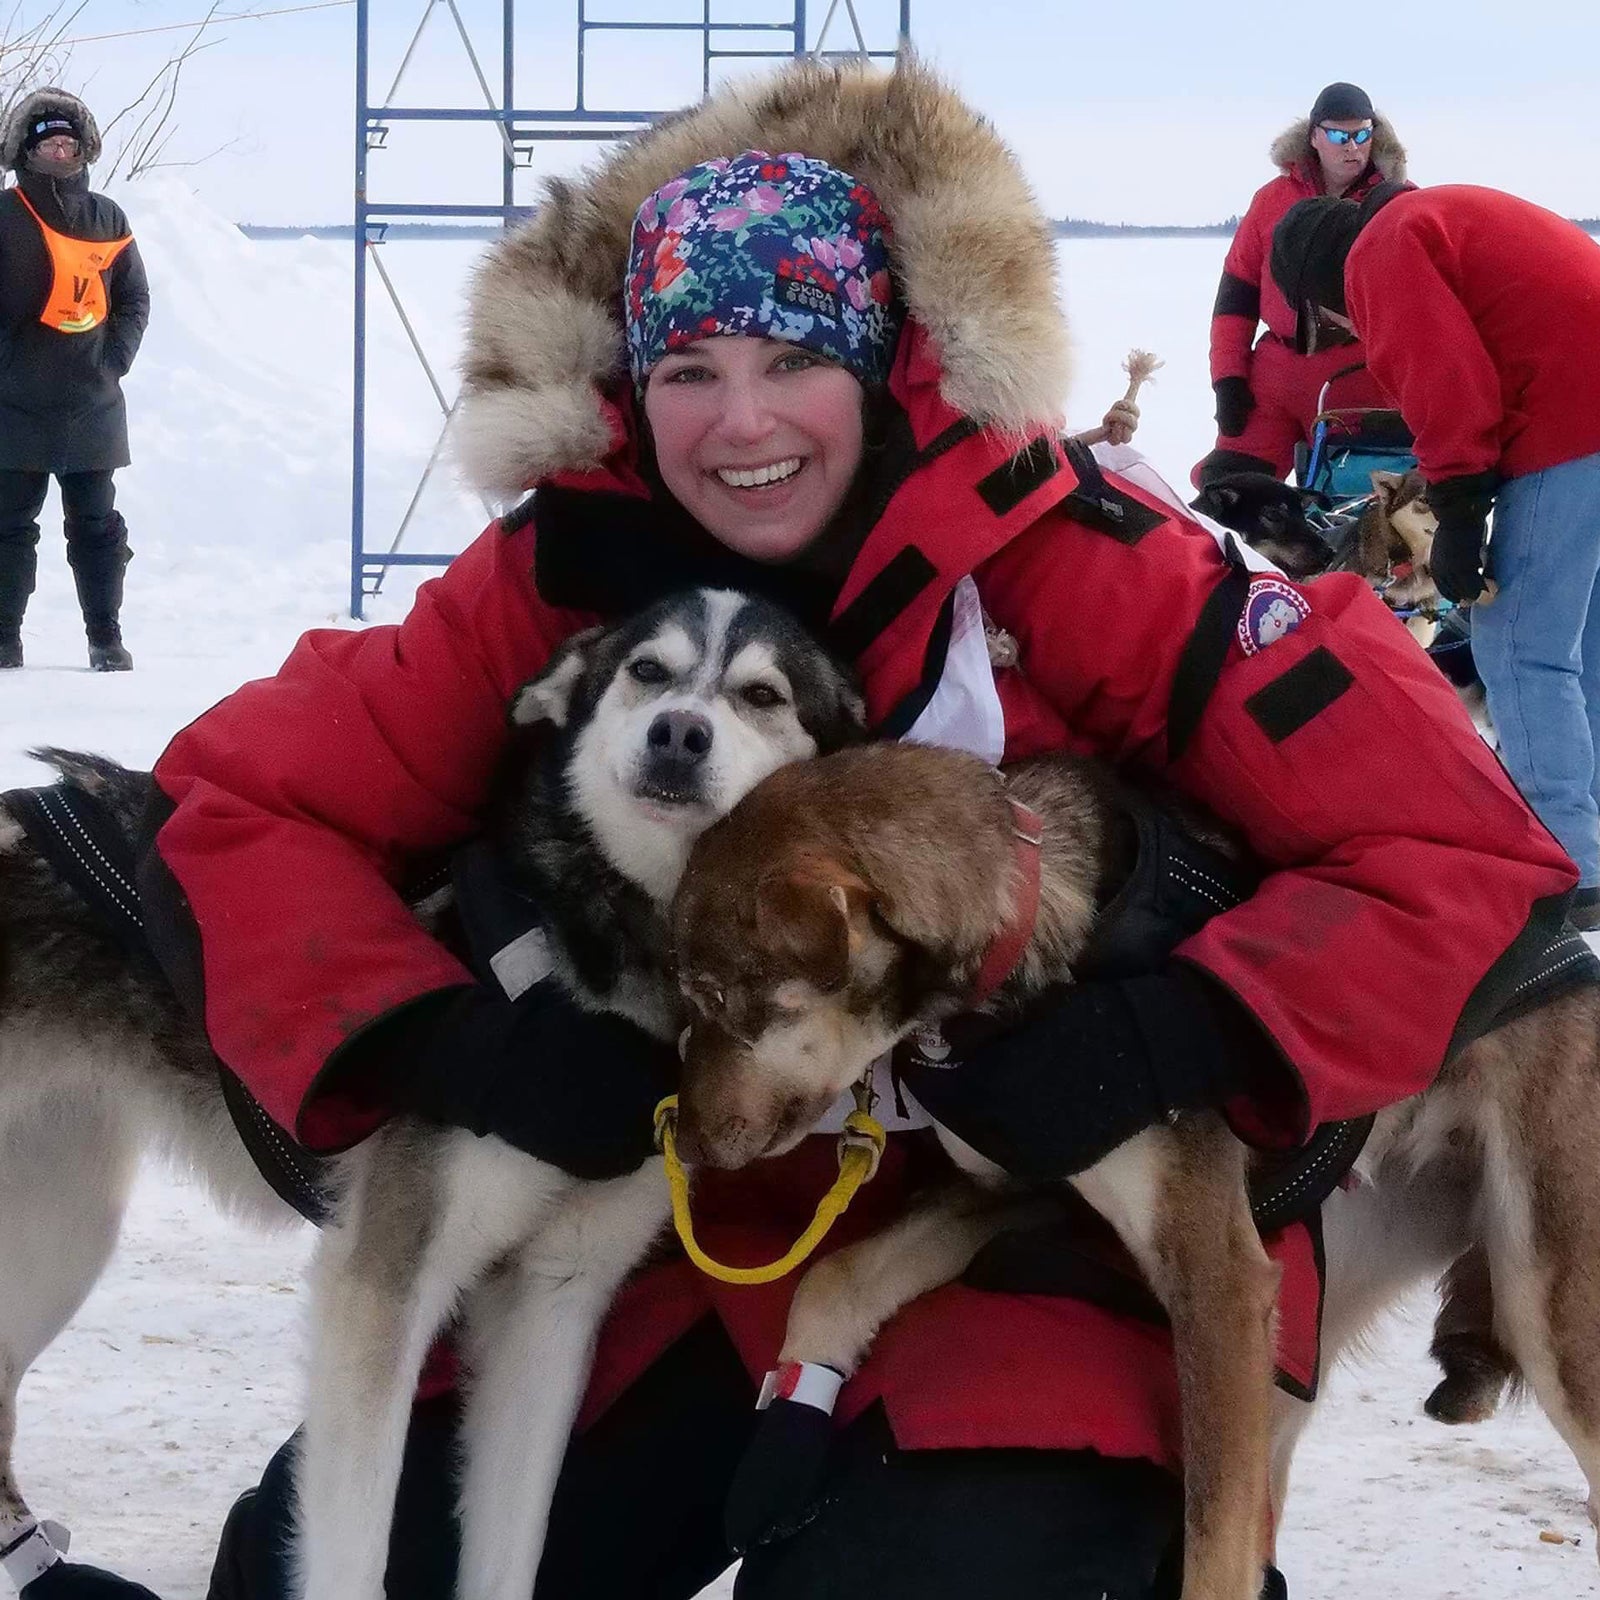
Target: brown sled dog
{"points": [[848, 900], [1394, 544]]}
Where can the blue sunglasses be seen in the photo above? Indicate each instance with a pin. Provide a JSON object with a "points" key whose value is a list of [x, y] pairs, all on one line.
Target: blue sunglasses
{"points": [[1345, 136]]}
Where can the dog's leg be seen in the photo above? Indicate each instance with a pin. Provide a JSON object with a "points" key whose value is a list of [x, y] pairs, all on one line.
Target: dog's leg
{"points": [[384, 1281], [531, 1340], [1540, 1128], [836, 1313], [65, 1172], [846, 1297], [1476, 1365], [1177, 1197]]}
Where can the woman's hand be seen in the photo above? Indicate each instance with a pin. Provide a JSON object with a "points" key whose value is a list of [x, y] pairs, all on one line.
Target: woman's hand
{"points": [[1093, 1064]]}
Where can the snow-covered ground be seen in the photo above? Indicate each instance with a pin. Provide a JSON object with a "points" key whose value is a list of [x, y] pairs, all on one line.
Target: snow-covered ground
{"points": [[180, 1375]]}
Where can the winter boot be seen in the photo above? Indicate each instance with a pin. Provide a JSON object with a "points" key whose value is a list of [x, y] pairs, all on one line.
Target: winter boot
{"points": [[107, 652], [97, 570], [17, 564]]}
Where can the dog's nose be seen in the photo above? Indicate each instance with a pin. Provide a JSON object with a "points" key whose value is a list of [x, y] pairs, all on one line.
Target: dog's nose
{"points": [[680, 735]]}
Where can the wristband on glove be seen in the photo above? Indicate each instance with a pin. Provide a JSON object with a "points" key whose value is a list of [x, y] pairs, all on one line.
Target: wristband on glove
{"points": [[806, 1383], [1235, 402]]}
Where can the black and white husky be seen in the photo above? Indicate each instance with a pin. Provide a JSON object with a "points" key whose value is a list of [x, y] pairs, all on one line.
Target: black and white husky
{"points": [[630, 742]]}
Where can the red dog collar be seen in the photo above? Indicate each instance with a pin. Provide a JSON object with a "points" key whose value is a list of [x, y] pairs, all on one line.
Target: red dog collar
{"points": [[1003, 955]]}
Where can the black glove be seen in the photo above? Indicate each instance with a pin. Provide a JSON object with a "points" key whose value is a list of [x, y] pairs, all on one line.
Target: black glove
{"points": [[777, 1486], [1235, 402], [1093, 1064], [1462, 506], [72, 1580], [573, 1087]]}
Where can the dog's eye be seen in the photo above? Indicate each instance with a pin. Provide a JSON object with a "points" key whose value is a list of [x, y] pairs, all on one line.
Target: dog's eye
{"points": [[761, 695], [646, 669]]}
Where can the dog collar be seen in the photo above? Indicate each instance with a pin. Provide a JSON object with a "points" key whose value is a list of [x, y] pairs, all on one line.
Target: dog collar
{"points": [[1002, 956]]}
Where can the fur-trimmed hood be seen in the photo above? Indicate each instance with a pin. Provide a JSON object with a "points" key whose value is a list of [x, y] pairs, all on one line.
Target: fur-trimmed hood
{"points": [[1292, 152], [973, 256], [40, 103]]}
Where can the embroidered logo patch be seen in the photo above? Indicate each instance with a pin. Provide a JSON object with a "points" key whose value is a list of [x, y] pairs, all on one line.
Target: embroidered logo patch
{"points": [[1272, 610]]}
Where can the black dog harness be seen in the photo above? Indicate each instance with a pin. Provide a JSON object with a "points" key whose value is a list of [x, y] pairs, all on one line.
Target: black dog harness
{"points": [[82, 842]]}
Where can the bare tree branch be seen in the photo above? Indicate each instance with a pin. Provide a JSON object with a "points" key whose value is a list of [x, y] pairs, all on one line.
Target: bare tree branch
{"points": [[194, 161], [142, 147], [33, 54]]}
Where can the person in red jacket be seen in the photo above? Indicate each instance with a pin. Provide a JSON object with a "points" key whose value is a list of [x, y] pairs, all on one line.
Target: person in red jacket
{"points": [[1480, 314], [893, 329], [1267, 395]]}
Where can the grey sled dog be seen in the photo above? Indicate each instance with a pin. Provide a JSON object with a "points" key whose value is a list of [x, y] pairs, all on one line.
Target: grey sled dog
{"points": [[641, 735]]}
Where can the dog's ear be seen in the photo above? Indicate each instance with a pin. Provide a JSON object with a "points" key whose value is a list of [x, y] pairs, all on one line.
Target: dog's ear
{"points": [[548, 697], [848, 722], [814, 913], [1385, 486], [830, 704]]}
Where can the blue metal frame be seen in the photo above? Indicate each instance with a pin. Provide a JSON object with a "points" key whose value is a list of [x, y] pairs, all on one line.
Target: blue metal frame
{"points": [[522, 127]]}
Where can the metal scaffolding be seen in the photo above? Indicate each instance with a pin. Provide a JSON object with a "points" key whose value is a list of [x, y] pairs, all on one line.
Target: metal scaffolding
{"points": [[791, 30]]}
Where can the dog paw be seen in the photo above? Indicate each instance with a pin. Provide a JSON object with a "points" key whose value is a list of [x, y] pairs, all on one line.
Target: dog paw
{"points": [[1469, 1392], [73, 1580]]}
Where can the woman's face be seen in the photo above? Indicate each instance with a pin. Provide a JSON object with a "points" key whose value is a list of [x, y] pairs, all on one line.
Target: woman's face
{"points": [[758, 440]]}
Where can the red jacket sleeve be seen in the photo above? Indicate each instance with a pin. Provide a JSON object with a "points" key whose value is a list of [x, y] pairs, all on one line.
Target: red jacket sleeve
{"points": [[300, 800], [1423, 348], [1237, 310], [1402, 864]]}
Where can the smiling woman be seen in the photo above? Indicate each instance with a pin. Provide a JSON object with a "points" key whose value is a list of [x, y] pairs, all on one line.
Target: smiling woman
{"points": [[758, 314], [757, 440]]}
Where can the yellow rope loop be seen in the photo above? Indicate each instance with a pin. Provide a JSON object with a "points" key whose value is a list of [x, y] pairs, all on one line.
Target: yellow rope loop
{"points": [[860, 1147]]}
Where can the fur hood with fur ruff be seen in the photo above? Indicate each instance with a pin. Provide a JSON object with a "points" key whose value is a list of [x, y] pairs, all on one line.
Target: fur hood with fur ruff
{"points": [[39, 103], [1293, 154], [972, 252]]}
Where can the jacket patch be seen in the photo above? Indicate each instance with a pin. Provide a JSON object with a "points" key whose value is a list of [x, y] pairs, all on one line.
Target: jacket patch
{"points": [[883, 599], [1236, 298], [1097, 503], [1272, 611], [1004, 489], [1305, 691]]}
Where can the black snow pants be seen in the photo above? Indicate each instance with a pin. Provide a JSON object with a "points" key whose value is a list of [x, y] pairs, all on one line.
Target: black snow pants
{"points": [[97, 545], [638, 1511]]}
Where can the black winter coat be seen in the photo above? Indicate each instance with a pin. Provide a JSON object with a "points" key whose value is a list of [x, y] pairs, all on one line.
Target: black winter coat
{"points": [[61, 407]]}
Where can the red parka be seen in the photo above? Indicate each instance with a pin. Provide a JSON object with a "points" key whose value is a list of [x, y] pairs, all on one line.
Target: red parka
{"points": [[1480, 313], [1403, 864], [1246, 295]]}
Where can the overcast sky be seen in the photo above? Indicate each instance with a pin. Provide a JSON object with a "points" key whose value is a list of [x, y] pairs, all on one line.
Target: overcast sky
{"points": [[1138, 112]]}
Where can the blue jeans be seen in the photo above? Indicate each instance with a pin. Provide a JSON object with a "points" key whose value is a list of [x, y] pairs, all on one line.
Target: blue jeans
{"points": [[1537, 647]]}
